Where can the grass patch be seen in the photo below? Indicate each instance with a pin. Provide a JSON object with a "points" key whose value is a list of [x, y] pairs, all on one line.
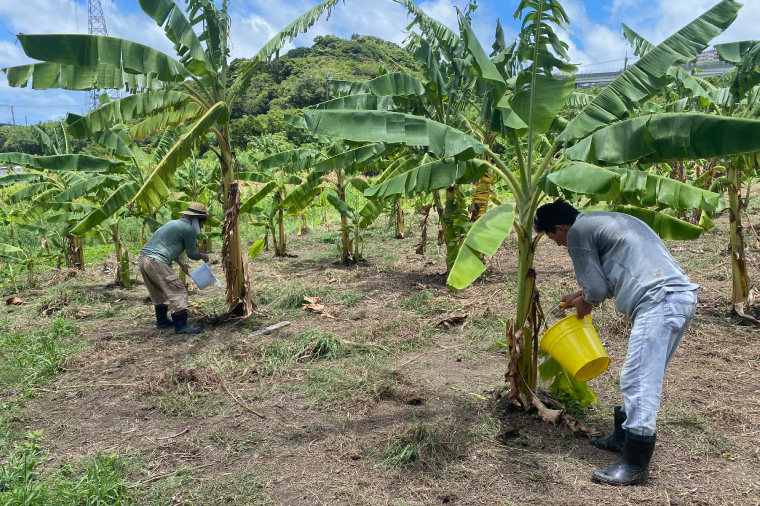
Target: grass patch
{"points": [[293, 297], [186, 490], [349, 382], [29, 359], [417, 302], [99, 481], [420, 447], [350, 298], [695, 429]]}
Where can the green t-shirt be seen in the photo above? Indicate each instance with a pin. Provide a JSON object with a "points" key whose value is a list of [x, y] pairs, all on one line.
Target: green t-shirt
{"points": [[169, 241]]}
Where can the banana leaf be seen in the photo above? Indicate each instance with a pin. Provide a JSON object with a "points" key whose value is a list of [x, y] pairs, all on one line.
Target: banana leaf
{"points": [[428, 177], [178, 29], [665, 226], [668, 137], [484, 238], [393, 127], [155, 191], [116, 202], [123, 110], [645, 77]]}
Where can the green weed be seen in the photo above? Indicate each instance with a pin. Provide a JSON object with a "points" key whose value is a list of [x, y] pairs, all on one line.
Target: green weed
{"points": [[292, 298], [350, 299], [29, 359], [101, 481], [417, 302], [349, 381], [420, 446]]}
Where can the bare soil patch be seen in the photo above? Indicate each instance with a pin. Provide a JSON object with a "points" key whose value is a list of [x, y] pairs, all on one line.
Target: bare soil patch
{"points": [[399, 351]]}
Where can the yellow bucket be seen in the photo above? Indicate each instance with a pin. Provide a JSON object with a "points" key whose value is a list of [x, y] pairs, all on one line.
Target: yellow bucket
{"points": [[574, 344]]}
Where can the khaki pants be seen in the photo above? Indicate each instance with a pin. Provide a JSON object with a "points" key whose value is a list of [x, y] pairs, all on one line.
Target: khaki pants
{"points": [[163, 284]]}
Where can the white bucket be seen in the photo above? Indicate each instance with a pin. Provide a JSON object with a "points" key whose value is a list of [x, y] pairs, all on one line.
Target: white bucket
{"points": [[203, 277]]}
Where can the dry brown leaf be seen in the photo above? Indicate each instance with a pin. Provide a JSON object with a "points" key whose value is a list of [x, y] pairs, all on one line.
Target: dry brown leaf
{"points": [[14, 301], [452, 320], [119, 300], [312, 305]]}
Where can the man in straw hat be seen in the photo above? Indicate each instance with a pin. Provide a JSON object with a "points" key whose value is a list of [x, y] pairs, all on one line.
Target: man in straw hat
{"points": [[618, 255], [155, 260]]}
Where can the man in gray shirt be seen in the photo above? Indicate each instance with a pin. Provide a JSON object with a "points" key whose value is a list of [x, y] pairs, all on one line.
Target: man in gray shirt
{"points": [[618, 255], [164, 247]]}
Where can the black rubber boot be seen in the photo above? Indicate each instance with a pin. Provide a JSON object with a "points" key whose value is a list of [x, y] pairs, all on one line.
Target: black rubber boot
{"points": [[633, 468], [616, 441], [162, 320], [181, 326]]}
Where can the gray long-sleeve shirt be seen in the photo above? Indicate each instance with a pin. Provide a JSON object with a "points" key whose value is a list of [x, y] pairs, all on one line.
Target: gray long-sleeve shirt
{"points": [[617, 255], [169, 241]]}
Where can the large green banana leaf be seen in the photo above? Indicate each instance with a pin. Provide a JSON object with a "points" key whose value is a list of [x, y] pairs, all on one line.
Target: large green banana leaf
{"points": [[679, 75], [665, 226], [123, 110], [484, 238], [117, 201], [23, 178], [154, 191], [74, 192], [29, 191], [340, 206], [44, 140], [249, 204], [10, 253], [645, 77], [165, 119], [635, 187], [667, 137], [393, 127], [540, 95], [746, 56], [298, 159], [81, 163], [360, 102], [446, 40], [179, 30], [100, 60], [395, 84], [428, 177], [350, 157], [481, 62]]}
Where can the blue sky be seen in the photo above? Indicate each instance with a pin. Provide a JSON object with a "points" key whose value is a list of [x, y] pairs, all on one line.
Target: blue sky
{"points": [[594, 36]]}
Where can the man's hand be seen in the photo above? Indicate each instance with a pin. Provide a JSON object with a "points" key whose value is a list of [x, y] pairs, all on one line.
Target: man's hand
{"points": [[204, 257], [582, 308], [566, 301], [185, 268]]}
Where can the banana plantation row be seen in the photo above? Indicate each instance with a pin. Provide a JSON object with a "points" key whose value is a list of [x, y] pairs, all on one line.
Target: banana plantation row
{"points": [[482, 138]]}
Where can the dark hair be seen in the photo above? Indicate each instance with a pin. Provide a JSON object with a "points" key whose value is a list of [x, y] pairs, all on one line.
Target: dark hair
{"points": [[548, 216]]}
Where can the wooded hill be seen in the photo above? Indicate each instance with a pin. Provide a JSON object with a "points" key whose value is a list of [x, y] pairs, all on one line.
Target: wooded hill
{"points": [[296, 80]]}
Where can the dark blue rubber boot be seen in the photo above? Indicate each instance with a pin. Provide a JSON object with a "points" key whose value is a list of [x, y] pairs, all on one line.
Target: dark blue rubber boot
{"points": [[162, 320], [181, 326]]}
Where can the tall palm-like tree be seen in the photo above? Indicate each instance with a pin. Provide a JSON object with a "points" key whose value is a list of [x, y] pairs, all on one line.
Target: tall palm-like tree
{"points": [[195, 90]]}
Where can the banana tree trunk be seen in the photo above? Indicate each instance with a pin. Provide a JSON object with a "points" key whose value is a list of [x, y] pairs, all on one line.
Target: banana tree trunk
{"points": [[75, 253], [451, 231], [399, 219], [345, 230], [522, 333], [208, 243], [235, 264], [122, 257], [740, 276], [280, 248]]}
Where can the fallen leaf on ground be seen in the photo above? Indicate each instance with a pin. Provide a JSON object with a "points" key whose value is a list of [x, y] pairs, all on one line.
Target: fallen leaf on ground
{"points": [[119, 300], [452, 320], [312, 305], [14, 301]]}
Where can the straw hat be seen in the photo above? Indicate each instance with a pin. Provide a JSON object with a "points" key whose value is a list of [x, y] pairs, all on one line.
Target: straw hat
{"points": [[196, 209]]}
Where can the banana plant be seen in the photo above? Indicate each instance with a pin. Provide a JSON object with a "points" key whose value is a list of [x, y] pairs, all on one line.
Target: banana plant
{"points": [[333, 175], [523, 108], [196, 88]]}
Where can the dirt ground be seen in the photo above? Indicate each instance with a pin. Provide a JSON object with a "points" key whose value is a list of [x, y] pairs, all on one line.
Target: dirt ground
{"points": [[187, 407]]}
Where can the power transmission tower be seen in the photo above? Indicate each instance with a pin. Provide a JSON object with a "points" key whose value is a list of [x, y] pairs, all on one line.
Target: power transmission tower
{"points": [[96, 25]]}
